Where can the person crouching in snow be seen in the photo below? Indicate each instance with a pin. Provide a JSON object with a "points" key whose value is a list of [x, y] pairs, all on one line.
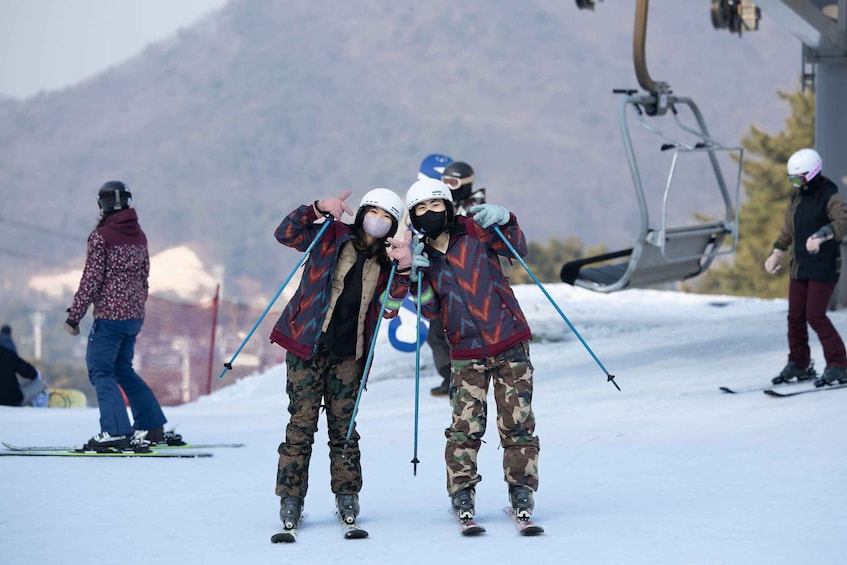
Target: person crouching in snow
{"points": [[326, 329]]}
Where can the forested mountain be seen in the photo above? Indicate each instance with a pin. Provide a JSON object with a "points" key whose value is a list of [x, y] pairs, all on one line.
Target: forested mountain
{"points": [[228, 125]]}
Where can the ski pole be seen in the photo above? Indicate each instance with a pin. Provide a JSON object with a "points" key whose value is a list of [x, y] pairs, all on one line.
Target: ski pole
{"points": [[415, 460], [228, 366], [609, 377], [370, 358]]}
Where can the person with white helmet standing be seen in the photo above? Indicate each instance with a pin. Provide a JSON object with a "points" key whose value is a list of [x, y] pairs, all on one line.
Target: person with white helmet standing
{"points": [[433, 166], [815, 222], [326, 329], [457, 265]]}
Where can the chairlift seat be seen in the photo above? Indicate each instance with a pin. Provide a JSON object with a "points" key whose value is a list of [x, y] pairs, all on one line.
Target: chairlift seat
{"points": [[664, 254], [682, 253]]}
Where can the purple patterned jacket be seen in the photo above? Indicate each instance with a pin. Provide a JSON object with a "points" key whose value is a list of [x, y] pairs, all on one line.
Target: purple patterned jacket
{"points": [[116, 270], [467, 289]]}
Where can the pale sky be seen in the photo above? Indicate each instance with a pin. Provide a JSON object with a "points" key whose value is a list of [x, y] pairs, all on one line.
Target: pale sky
{"points": [[50, 44]]}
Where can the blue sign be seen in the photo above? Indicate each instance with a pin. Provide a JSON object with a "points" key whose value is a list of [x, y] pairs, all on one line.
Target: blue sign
{"points": [[394, 325]]}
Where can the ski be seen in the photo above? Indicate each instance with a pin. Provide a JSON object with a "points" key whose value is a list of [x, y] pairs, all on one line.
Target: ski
{"points": [[127, 453], [152, 446], [468, 526], [761, 388], [351, 530], [525, 527], [780, 394], [287, 535]]}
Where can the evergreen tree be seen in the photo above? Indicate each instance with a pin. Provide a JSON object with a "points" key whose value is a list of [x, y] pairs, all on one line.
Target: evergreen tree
{"points": [[762, 212]]}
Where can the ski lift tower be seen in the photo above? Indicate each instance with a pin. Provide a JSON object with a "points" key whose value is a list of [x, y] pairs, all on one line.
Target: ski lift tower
{"points": [[821, 26]]}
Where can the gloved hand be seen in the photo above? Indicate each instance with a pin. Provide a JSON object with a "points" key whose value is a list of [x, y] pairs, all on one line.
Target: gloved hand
{"points": [[335, 205], [419, 259], [401, 251], [772, 262], [71, 327], [487, 215], [813, 244]]}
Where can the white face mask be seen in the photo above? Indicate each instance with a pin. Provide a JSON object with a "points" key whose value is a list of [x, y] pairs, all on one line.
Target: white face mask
{"points": [[375, 227]]}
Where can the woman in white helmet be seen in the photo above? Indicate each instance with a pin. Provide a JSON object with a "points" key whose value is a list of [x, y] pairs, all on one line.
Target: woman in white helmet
{"points": [[815, 222], [326, 330], [463, 284]]}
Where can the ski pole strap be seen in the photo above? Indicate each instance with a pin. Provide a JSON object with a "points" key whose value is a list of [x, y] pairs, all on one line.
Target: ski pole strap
{"points": [[609, 377]]}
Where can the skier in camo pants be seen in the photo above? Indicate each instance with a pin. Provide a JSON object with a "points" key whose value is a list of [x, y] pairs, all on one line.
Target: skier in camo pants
{"points": [[327, 328], [463, 284]]}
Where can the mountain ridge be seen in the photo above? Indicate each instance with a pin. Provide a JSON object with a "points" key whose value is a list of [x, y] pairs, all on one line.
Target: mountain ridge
{"points": [[229, 124]]}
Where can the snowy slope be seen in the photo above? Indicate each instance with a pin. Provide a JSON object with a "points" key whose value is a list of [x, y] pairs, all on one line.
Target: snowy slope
{"points": [[669, 470]]}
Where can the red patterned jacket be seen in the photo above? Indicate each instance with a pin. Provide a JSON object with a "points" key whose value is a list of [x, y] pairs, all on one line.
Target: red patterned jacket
{"points": [[116, 271], [299, 327], [466, 287]]}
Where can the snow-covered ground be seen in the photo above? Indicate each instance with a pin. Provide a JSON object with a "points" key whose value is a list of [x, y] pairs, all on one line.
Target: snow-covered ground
{"points": [[667, 471]]}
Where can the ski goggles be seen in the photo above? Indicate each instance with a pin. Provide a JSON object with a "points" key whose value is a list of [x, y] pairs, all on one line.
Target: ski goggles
{"points": [[797, 181], [453, 183], [802, 179]]}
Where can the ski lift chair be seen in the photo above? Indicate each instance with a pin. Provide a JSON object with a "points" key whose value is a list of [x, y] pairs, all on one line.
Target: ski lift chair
{"points": [[663, 253]]}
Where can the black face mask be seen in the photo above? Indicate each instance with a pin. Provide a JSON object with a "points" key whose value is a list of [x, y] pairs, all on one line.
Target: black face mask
{"points": [[433, 223]]}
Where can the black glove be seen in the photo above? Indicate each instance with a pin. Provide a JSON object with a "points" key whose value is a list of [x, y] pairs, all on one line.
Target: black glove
{"points": [[72, 327]]}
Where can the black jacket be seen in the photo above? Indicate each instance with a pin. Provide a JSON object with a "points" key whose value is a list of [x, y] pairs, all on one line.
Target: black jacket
{"points": [[808, 211], [10, 366]]}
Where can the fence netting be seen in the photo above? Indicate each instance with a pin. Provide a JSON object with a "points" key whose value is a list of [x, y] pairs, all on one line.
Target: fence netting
{"points": [[182, 348]]}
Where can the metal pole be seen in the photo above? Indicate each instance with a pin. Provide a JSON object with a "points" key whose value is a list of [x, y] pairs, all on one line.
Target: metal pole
{"points": [[609, 376]]}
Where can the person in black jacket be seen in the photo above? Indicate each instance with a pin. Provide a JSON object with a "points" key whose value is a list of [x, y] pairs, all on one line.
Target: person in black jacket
{"points": [[10, 367], [815, 222]]}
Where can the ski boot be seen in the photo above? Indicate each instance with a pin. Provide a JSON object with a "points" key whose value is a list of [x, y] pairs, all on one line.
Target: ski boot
{"points": [[105, 442], [463, 503], [139, 441], [290, 511], [158, 436], [441, 390], [792, 372], [831, 376], [522, 501], [348, 507]]}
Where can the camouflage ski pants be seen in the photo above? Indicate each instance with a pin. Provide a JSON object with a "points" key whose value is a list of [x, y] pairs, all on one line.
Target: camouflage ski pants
{"points": [[511, 375], [309, 382]]}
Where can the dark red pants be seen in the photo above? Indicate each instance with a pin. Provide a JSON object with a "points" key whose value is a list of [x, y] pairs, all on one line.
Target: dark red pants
{"points": [[807, 304]]}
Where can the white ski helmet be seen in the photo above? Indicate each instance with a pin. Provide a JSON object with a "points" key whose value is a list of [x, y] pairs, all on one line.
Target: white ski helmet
{"points": [[384, 199], [803, 166], [427, 189]]}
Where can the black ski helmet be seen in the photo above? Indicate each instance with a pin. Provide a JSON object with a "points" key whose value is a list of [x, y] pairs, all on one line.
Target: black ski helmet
{"points": [[458, 176], [114, 195]]}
